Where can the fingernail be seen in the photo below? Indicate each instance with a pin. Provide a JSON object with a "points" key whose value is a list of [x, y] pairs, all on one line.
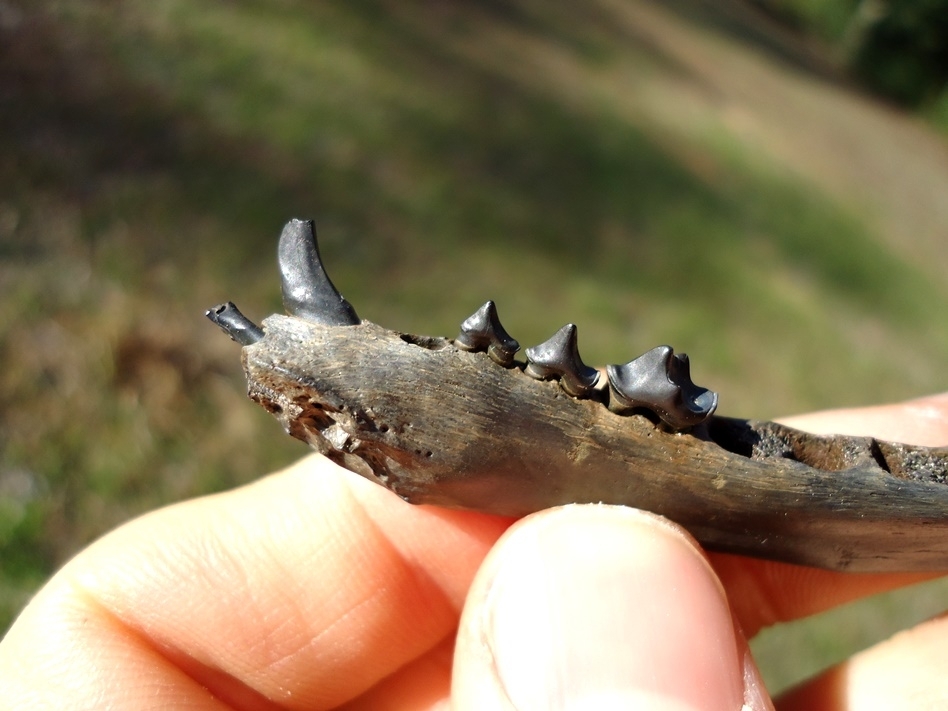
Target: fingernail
{"points": [[601, 607]]}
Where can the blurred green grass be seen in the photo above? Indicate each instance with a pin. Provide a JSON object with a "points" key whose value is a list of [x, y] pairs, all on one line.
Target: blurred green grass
{"points": [[150, 152]]}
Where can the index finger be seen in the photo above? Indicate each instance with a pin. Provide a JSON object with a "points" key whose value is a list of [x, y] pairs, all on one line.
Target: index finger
{"points": [[765, 592], [300, 591]]}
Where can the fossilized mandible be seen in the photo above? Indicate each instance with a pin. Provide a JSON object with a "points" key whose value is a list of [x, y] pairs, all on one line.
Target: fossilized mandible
{"points": [[461, 423]]}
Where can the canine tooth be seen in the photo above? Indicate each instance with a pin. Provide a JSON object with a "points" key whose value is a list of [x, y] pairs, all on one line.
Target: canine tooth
{"points": [[559, 357], [308, 292], [660, 381], [482, 330], [235, 324]]}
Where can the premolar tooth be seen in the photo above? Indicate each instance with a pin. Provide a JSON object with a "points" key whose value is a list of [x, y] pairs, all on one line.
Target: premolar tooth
{"points": [[307, 291], [559, 357], [660, 381], [482, 330]]}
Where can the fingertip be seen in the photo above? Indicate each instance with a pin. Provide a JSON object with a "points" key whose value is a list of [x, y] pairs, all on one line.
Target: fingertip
{"points": [[922, 421], [906, 671], [598, 602]]}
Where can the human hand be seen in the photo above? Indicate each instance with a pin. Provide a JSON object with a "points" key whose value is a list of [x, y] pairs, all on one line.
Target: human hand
{"points": [[315, 589]]}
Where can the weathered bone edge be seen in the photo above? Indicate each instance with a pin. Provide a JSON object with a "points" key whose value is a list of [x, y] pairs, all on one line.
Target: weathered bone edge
{"points": [[440, 424]]}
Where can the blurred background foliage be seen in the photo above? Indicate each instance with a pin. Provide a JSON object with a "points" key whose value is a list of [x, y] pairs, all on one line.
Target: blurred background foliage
{"points": [[703, 174], [897, 48]]}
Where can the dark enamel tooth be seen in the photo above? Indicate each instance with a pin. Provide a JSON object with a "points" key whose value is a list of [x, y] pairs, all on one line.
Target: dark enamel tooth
{"points": [[482, 330], [660, 381], [235, 324], [307, 291], [559, 358]]}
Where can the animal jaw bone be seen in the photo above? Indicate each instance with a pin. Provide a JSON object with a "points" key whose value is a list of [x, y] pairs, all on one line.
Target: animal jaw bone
{"points": [[460, 423]]}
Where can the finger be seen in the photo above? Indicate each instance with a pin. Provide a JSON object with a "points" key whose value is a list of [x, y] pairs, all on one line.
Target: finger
{"points": [[763, 592], [304, 589], [422, 685], [766, 592], [600, 607], [909, 671], [923, 421]]}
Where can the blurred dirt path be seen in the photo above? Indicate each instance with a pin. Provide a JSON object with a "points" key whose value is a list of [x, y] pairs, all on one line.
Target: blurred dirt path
{"points": [[868, 155], [693, 73]]}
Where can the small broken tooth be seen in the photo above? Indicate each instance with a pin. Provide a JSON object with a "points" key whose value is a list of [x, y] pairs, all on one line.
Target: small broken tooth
{"points": [[235, 324], [308, 292], [482, 330], [559, 357], [660, 381]]}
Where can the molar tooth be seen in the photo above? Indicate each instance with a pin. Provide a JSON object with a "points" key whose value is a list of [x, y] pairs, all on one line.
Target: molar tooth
{"points": [[482, 330], [660, 381], [559, 357], [308, 292]]}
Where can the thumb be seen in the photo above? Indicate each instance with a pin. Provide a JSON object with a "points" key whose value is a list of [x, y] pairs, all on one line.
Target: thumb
{"points": [[600, 607]]}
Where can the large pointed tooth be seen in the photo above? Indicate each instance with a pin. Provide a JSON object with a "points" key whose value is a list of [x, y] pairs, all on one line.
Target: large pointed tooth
{"points": [[660, 381], [482, 330], [307, 291], [559, 357], [235, 324]]}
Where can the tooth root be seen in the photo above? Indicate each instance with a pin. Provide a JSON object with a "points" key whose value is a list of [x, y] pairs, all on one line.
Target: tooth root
{"points": [[559, 357], [482, 330], [235, 324], [660, 381], [307, 291]]}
